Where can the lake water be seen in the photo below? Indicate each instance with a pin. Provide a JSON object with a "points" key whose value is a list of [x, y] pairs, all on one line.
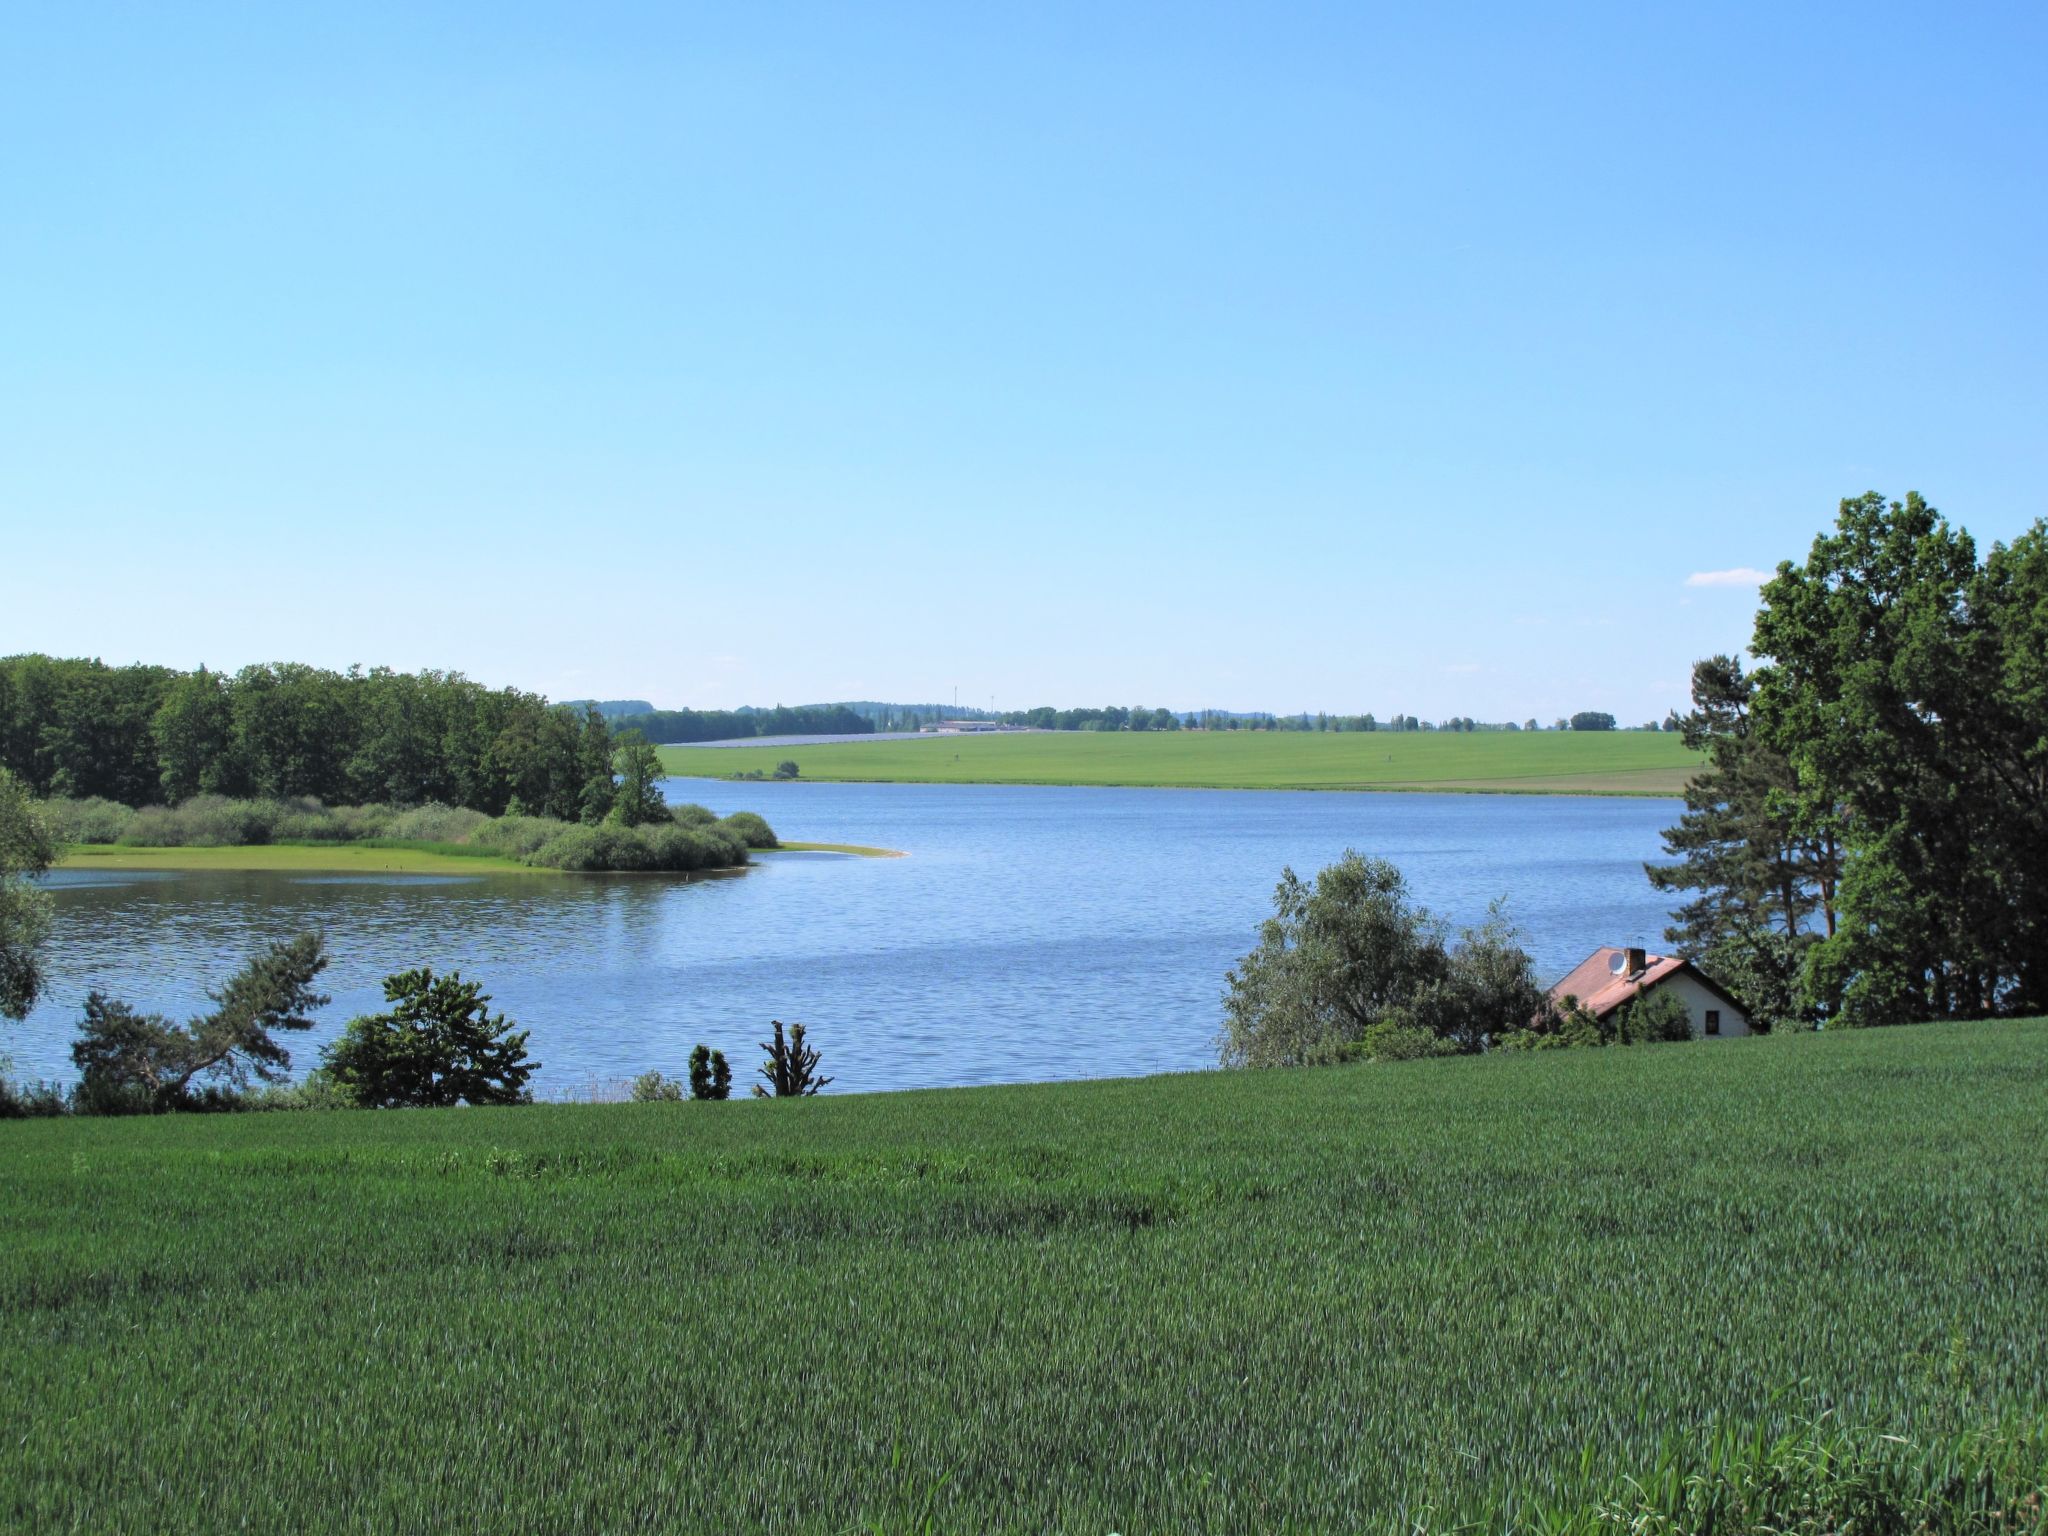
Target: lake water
{"points": [[1030, 933]]}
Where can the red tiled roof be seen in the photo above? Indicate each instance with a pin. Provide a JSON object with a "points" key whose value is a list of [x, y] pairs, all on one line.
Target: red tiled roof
{"points": [[1601, 989]]}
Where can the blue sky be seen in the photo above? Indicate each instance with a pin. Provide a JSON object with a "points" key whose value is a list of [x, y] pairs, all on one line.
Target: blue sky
{"points": [[1406, 358]]}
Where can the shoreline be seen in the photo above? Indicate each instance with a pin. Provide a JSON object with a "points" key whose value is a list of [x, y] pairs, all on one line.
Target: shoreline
{"points": [[366, 858], [1562, 791]]}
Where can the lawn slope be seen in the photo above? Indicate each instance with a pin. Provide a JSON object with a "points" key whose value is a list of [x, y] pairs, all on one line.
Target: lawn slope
{"points": [[1327, 1300], [1508, 762]]}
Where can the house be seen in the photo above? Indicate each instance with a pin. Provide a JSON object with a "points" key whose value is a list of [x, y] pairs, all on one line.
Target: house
{"points": [[1610, 977]]}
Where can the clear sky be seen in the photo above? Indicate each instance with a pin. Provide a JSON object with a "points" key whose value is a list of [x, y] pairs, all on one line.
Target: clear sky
{"points": [[1257, 356]]}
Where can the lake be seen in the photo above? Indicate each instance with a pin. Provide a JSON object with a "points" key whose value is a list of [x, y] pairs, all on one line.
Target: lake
{"points": [[1030, 933]]}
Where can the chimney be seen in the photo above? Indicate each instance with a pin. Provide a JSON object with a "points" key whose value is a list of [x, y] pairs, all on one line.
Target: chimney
{"points": [[1638, 962]]}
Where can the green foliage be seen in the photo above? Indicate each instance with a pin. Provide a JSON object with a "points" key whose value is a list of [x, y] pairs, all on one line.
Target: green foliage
{"points": [[439, 1045], [135, 735], [1592, 720], [710, 1074], [1906, 682], [690, 840], [26, 850], [671, 725], [791, 1069], [129, 1060], [787, 769], [653, 1088], [1652, 1018], [1336, 957], [1565, 1025], [638, 798], [1487, 1294], [1349, 953], [750, 828], [1766, 877], [1393, 1040]]}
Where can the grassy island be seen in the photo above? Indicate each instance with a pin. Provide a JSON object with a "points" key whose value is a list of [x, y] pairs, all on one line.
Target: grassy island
{"points": [[1497, 762], [1469, 1292], [417, 858], [216, 832]]}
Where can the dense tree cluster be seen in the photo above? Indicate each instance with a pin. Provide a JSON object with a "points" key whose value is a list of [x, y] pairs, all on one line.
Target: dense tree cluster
{"points": [[27, 848], [144, 735], [683, 725], [1348, 967], [1869, 843]]}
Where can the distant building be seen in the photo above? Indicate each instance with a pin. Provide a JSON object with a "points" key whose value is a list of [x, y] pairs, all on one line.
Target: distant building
{"points": [[962, 727], [1610, 977]]}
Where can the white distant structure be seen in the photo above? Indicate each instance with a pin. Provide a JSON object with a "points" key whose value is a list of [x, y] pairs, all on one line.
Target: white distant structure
{"points": [[1612, 976], [962, 728]]}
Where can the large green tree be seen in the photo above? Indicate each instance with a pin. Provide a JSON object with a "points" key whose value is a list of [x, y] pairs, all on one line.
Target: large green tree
{"points": [[26, 850], [129, 1059], [1764, 881], [1906, 683], [439, 1044], [638, 798]]}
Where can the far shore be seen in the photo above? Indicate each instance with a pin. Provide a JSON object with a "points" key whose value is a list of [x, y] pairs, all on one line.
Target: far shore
{"points": [[361, 858]]}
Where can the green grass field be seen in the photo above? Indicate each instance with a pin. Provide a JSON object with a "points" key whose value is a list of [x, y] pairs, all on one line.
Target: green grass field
{"points": [[1501, 762], [1356, 1298]]}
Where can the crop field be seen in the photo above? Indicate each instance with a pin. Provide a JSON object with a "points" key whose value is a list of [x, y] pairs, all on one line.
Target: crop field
{"points": [[1500, 762], [1355, 1298]]}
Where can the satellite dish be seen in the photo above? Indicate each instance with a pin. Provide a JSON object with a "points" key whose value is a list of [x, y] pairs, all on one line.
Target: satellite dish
{"points": [[1619, 965]]}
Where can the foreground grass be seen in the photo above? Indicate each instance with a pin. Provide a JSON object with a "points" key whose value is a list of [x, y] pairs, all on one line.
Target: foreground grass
{"points": [[1517, 762], [376, 857], [1361, 1298]]}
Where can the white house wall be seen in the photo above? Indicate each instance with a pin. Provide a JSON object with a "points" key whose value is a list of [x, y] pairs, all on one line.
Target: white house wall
{"points": [[1698, 1000]]}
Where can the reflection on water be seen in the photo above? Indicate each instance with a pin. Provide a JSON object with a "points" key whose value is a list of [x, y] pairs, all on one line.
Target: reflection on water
{"points": [[1031, 933]]}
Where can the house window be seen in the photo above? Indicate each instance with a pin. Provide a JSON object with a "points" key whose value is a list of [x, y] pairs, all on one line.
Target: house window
{"points": [[1713, 1021]]}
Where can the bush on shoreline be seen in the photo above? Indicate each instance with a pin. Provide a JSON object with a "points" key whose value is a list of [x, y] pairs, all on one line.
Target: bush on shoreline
{"points": [[691, 839]]}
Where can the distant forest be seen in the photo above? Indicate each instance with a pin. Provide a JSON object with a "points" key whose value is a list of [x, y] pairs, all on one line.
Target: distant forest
{"points": [[678, 725], [145, 735]]}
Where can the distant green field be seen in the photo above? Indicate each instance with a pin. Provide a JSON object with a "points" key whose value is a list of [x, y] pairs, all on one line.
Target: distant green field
{"points": [[1366, 1298], [1510, 762]]}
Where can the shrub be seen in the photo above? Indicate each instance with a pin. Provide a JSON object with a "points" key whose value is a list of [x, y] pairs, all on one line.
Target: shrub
{"points": [[1560, 1025], [653, 1088], [87, 821], [786, 769], [435, 823], [750, 828], [710, 1075], [210, 821], [518, 837], [691, 815], [315, 823], [439, 1045], [791, 1068], [1652, 1018], [1393, 1040], [28, 1101]]}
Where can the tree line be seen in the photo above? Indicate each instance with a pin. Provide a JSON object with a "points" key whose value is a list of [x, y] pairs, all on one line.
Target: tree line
{"points": [[670, 726], [146, 735], [1869, 841]]}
